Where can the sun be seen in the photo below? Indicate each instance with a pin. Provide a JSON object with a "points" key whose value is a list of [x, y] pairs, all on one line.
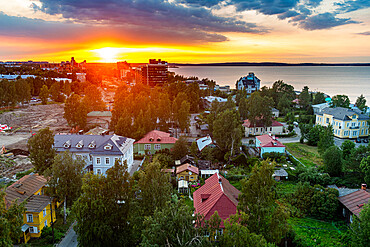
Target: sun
{"points": [[108, 54]]}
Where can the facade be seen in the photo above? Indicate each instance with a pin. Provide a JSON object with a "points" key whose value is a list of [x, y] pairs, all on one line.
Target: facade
{"points": [[249, 83], [217, 194], [154, 141], [275, 128], [269, 144], [99, 118], [353, 203], [187, 172], [346, 123], [38, 207], [100, 152], [153, 73]]}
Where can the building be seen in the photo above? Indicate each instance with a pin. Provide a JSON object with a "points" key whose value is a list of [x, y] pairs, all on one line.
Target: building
{"points": [[99, 119], [187, 172], [275, 112], [99, 151], [207, 101], [280, 174], [217, 194], [14, 77], [37, 215], [319, 107], [269, 144], [204, 142], [249, 83], [258, 128], [154, 141], [346, 123], [353, 203]]}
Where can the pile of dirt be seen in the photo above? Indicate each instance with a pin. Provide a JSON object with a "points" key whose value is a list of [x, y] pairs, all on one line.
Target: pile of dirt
{"points": [[13, 165]]}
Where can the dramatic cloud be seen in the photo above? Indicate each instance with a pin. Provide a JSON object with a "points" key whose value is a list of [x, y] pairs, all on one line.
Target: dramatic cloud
{"points": [[349, 6], [266, 7], [364, 33], [323, 21]]}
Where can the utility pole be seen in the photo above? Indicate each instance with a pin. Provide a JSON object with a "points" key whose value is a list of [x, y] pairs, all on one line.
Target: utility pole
{"points": [[51, 216]]}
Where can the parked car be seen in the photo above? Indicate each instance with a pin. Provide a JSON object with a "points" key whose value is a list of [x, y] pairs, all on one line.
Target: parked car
{"points": [[358, 140], [366, 140]]}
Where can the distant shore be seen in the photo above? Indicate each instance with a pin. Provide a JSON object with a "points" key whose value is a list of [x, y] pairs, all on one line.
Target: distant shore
{"points": [[268, 64]]}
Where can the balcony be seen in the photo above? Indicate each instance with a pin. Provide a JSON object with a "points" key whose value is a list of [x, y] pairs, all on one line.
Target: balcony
{"points": [[354, 127]]}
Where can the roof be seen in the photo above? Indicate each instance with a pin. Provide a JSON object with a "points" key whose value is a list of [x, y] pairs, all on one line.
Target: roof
{"points": [[269, 141], [187, 159], [183, 184], [259, 123], [99, 114], [204, 164], [280, 173], [343, 191], [97, 131], [156, 136], [274, 109], [187, 167], [341, 113], [93, 144], [36, 203], [214, 98], [217, 194], [24, 188], [168, 170], [355, 201], [203, 142], [209, 172]]}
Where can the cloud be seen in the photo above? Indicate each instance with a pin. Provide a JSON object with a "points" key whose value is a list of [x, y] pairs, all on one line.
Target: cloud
{"points": [[364, 33], [323, 21], [349, 6]]}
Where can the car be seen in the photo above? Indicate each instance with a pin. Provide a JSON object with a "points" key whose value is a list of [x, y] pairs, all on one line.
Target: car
{"points": [[358, 140], [366, 140]]}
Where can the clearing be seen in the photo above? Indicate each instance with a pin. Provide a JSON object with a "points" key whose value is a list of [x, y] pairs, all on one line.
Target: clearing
{"points": [[308, 155]]}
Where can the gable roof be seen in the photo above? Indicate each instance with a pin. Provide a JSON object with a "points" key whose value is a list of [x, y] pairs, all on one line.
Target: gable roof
{"points": [[36, 203], [187, 167], [156, 136], [280, 173], [355, 201], [341, 113], [204, 142], [24, 188], [259, 123], [269, 141], [217, 194]]}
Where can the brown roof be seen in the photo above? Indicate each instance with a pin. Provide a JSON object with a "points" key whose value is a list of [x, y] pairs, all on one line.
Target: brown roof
{"points": [[36, 203], [186, 167], [24, 188], [355, 201]]}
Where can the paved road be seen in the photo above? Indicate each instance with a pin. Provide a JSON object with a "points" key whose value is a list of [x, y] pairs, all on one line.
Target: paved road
{"points": [[70, 240], [135, 166]]}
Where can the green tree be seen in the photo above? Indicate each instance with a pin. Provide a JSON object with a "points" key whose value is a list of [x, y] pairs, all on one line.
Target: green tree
{"points": [[326, 139], [361, 228], [365, 166], [93, 99], [319, 98], [44, 95], [243, 108], [75, 112], [258, 201], [340, 101], [304, 98], [180, 149], [184, 116], [124, 125], [361, 102], [41, 150], [333, 161], [55, 91], [347, 147], [259, 109], [194, 149], [357, 154], [313, 136], [66, 178]]}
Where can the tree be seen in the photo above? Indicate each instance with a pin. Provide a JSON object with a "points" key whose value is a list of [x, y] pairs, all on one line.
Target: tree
{"points": [[41, 150], [333, 161], [361, 102], [194, 149], [347, 147], [313, 136], [102, 210], [184, 116], [93, 99], [356, 156], [11, 221], [365, 166], [75, 112], [259, 109], [124, 125], [340, 101], [180, 149], [304, 98], [258, 201], [243, 108], [44, 95], [361, 228], [326, 139], [66, 178], [319, 98], [55, 91]]}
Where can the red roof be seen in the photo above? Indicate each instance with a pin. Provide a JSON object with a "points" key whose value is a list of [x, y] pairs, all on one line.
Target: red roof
{"points": [[156, 136], [259, 123], [355, 201], [217, 194], [269, 141], [186, 167]]}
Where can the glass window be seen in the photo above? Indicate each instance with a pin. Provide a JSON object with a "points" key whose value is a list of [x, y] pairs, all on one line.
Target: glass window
{"points": [[107, 161], [147, 146], [98, 171], [157, 146], [44, 212], [115, 160], [46, 223], [29, 218], [98, 160]]}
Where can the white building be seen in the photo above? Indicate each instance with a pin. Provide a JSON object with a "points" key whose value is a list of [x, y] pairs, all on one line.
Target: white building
{"points": [[249, 83]]}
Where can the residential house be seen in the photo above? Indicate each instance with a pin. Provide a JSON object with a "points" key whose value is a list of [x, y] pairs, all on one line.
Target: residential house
{"points": [[204, 142], [187, 159], [217, 194], [154, 141], [319, 107], [280, 174], [37, 215], [346, 123], [249, 83], [275, 112], [187, 172], [269, 144], [353, 203], [100, 152], [99, 118], [207, 101], [275, 128]]}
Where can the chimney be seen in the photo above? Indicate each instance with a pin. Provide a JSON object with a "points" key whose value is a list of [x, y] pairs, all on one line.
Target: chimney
{"points": [[363, 186]]}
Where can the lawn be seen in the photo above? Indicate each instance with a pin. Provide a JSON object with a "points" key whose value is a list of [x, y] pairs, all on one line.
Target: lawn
{"points": [[314, 232], [308, 155], [286, 187]]}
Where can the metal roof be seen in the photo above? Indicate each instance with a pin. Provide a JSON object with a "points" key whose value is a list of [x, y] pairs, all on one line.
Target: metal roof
{"points": [[355, 201], [341, 113]]}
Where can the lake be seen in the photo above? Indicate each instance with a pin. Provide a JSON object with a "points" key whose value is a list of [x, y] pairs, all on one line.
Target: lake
{"points": [[349, 80]]}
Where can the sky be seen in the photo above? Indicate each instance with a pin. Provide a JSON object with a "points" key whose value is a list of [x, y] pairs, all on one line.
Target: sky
{"points": [[186, 31]]}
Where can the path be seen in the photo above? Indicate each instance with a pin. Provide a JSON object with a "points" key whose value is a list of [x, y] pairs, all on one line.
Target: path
{"points": [[70, 239]]}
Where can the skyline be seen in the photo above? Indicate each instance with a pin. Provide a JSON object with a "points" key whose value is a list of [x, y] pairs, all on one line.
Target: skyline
{"points": [[186, 31]]}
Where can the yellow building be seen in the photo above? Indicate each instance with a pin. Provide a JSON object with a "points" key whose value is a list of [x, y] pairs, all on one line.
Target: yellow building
{"points": [[346, 123], [187, 172], [38, 208]]}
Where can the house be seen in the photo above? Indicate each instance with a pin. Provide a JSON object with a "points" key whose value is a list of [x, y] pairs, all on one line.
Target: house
{"points": [[275, 112], [40, 209], [217, 194], [154, 141], [208, 173], [187, 159], [99, 118], [268, 144], [207, 101], [319, 107], [97, 131], [204, 142], [249, 83], [353, 203], [100, 152], [183, 187], [275, 128], [280, 174], [187, 172], [346, 123]]}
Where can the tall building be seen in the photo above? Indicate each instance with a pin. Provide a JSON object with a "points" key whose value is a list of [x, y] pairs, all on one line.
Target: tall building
{"points": [[249, 83]]}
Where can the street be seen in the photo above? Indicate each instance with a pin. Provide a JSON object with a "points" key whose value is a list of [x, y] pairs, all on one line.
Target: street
{"points": [[70, 240]]}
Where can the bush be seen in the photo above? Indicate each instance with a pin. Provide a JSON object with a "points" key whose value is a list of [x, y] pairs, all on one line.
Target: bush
{"points": [[47, 234], [278, 157]]}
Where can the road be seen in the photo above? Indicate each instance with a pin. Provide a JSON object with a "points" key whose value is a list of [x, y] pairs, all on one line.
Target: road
{"points": [[70, 240]]}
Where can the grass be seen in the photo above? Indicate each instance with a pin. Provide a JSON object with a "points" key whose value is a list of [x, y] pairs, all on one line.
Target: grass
{"points": [[308, 155], [313, 232], [286, 187]]}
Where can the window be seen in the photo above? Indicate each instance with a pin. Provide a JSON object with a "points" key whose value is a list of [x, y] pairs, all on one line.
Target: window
{"points": [[98, 161], [270, 128], [157, 146], [33, 229], [115, 160], [327, 120], [350, 218], [29, 218], [90, 157], [44, 212], [347, 125], [365, 132], [354, 133], [107, 161], [98, 171], [344, 212], [147, 146], [362, 132], [46, 223], [191, 177]]}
